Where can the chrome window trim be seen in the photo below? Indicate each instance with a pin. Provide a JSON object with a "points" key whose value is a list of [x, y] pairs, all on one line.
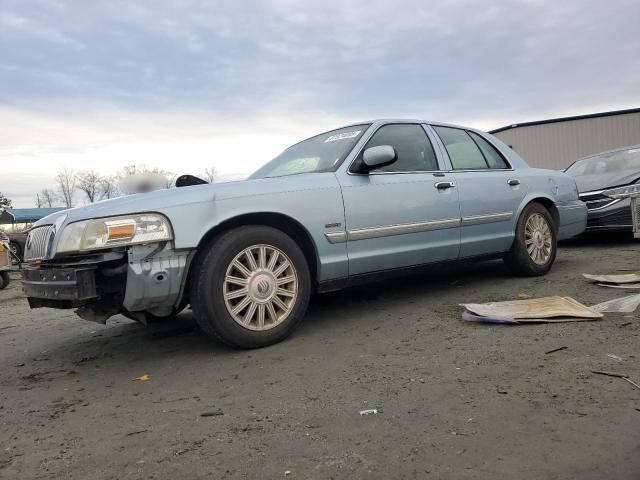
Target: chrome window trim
{"points": [[488, 218]]}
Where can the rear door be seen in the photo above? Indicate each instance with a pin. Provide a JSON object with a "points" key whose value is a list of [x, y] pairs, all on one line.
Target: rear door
{"points": [[404, 214], [490, 191]]}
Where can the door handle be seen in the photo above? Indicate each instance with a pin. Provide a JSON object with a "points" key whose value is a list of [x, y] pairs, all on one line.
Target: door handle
{"points": [[444, 185], [513, 182]]}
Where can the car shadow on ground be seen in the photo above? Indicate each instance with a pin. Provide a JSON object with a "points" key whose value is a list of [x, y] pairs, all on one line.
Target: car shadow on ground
{"points": [[599, 240]]}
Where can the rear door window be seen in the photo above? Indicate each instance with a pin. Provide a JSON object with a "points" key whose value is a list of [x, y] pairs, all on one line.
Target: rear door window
{"points": [[463, 152], [491, 154]]}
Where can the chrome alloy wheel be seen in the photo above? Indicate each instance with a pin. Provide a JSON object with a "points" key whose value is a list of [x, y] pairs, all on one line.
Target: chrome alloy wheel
{"points": [[538, 238], [260, 287]]}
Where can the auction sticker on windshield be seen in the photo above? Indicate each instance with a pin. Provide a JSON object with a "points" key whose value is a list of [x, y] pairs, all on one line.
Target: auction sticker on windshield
{"points": [[342, 136]]}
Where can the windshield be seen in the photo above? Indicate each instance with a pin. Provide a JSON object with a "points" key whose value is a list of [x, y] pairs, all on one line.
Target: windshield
{"points": [[607, 162], [322, 153]]}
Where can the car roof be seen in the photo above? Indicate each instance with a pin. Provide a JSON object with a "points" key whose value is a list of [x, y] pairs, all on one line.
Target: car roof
{"points": [[379, 121], [631, 147]]}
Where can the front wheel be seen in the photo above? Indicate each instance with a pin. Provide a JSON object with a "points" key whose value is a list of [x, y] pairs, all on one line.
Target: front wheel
{"points": [[534, 247], [251, 288]]}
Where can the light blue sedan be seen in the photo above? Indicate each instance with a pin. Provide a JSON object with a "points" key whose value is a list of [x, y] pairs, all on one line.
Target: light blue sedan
{"points": [[342, 207]]}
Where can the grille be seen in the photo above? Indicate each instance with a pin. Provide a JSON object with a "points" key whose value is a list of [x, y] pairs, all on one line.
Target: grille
{"points": [[596, 200], [38, 243]]}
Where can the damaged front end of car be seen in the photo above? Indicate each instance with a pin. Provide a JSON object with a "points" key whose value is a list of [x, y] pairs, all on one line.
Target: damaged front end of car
{"points": [[105, 266]]}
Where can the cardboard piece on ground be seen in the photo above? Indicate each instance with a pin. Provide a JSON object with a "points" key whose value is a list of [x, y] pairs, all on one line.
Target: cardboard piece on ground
{"points": [[629, 286], [626, 304], [617, 279], [534, 309]]}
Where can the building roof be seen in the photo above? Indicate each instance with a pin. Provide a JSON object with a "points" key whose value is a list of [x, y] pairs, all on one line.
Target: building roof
{"points": [[566, 119], [25, 215]]}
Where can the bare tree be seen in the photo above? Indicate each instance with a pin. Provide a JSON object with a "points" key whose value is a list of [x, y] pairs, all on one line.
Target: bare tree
{"points": [[108, 188], [39, 202], [89, 183], [5, 202], [210, 174], [47, 198], [66, 181]]}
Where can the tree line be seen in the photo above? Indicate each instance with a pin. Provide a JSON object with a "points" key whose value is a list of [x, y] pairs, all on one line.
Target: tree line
{"points": [[92, 186]]}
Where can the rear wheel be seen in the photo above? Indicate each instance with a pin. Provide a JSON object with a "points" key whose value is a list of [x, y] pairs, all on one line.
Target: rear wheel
{"points": [[252, 287], [534, 247]]}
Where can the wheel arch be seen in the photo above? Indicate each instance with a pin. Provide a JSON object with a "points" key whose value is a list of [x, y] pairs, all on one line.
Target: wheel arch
{"points": [[550, 205], [279, 221]]}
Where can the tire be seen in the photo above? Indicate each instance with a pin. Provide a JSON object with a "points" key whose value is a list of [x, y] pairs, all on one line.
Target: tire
{"points": [[16, 249], [274, 289], [536, 242], [4, 280]]}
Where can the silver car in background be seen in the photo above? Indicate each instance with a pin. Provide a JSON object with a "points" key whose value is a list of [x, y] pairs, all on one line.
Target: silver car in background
{"points": [[607, 181]]}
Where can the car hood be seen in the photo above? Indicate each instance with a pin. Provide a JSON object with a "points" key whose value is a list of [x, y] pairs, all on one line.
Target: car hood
{"points": [[589, 183], [172, 201]]}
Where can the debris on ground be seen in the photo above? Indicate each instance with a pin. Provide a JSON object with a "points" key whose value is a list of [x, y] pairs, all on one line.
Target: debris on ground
{"points": [[614, 279], [546, 309], [615, 357], [556, 350], [631, 382], [217, 413], [630, 286], [466, 315], [623, 376], [143, 378], [627, 304], [369, 411], [609, 374]]}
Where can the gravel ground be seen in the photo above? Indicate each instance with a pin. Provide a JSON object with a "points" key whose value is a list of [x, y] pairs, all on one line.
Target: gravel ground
{"points": [[455, 400]]}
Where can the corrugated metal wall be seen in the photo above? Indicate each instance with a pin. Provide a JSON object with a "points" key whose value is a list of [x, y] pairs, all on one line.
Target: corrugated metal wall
{"points": [[558, 145]]}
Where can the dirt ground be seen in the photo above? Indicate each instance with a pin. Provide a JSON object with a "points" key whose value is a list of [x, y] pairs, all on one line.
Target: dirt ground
{"points": [[456, 400]]}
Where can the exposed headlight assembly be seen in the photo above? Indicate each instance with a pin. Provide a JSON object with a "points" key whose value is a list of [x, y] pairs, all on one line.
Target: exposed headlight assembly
{"points": [[101, 233], [623, 192]]}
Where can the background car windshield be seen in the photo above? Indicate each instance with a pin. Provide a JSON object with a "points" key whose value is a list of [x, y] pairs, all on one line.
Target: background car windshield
{"points": [[607, 162], [321, 153]]}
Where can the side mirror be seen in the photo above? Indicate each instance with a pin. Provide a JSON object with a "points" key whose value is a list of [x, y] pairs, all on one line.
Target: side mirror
{"points": [[378, 157]]}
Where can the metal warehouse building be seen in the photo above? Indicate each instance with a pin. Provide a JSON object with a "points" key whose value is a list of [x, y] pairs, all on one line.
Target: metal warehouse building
{"points": [[558, 142]]}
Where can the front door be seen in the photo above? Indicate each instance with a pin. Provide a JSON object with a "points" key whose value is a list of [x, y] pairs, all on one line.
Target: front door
{"points": [[404, 214]]}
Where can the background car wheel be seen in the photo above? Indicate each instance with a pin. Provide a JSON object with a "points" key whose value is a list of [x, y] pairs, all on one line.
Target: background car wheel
{"points": [[15, 248], [4, 280], [251, 288], [534, 247], [17, 252]]}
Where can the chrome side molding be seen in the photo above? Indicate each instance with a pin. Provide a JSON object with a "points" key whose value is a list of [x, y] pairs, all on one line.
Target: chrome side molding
{"points": [[402, 229], [417, 227], [490, 218]]}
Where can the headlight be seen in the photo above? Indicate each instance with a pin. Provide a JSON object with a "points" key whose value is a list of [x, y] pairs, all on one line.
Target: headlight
{"points": [[623, 192], [111, 232]]}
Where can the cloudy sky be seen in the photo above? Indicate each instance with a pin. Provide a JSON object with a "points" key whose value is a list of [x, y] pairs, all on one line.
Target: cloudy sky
{"points": [[186, 85]]}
